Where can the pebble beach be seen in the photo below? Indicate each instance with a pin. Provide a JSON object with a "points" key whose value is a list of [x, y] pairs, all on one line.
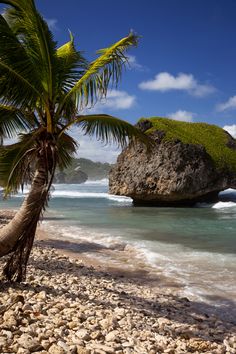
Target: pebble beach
{"points": [[68, 306]]}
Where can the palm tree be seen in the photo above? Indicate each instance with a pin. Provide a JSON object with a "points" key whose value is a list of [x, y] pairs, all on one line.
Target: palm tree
{"points": [[43, 92]]}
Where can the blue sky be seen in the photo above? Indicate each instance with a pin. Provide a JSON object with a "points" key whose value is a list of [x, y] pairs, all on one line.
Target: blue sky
{"points": [[183, 67]]}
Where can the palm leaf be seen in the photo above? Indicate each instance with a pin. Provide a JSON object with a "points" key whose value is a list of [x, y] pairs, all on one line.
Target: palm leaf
{"points": [[71, 66], [105, 70], [14, 121], [37, 39], [19, 83], [16, 163], [109, 129]]}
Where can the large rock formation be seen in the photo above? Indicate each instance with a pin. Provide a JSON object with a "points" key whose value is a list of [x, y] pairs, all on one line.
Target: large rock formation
{"points": [[190, 162]]}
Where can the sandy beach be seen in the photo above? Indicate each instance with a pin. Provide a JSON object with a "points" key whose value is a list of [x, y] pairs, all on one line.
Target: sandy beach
{"points": [[72, 304]]}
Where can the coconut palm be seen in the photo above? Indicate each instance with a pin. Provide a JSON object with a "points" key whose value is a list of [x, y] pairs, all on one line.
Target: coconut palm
{"points": [[43, 92]]}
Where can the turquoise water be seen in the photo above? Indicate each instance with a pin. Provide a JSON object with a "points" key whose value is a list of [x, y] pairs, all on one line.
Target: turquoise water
{"points": [[196, 246]]}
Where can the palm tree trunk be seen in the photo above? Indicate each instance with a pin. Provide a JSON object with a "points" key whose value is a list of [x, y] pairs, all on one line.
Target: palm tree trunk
{"points": [[17, 237]]}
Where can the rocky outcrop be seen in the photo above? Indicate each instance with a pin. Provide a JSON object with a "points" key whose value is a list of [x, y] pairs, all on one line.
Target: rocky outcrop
{"points": [[75, 176], [80, 170], [173, 173]]}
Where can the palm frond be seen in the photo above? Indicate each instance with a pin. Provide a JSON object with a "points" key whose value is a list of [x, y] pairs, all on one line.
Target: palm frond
{"points": [[19, 84], [102, 72], [71, 66], [34, 34], [14, 121], [16, 162], [109, 129]]}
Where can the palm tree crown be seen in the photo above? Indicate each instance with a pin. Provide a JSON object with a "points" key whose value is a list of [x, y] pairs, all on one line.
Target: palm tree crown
{"points": [[43, 92]]}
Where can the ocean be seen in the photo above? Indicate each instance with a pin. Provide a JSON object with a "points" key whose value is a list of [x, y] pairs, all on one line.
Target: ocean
{"points": [[194, 246]]}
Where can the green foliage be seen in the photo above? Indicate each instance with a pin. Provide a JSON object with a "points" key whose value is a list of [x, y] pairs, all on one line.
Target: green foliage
{"points": [[101, 72], [12, 121], [15, 163], [212, 137], [110, 130]]}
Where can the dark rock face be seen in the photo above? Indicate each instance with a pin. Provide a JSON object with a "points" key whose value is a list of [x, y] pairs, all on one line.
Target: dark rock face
{"points": [[173, 174]]}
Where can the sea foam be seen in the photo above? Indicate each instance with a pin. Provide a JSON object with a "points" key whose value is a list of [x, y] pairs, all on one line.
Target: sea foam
{"points": [[222, 205]]}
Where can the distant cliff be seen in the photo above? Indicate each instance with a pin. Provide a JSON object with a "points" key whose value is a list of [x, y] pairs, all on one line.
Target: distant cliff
{"points": [[190, 162], [82, 169]]}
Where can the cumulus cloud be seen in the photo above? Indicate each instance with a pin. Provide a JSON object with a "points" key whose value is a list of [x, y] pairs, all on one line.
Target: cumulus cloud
{"points": [[181, 115], [119, 100], [52, 23], [230, 104], [115, 100], [134, 64], [231, 129], [164, 82]]}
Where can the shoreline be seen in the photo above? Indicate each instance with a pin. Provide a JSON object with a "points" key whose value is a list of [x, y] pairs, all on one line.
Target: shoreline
{"points": [[125, 260], [72, 304], [115, 262], [118, 267], [66, 306]]}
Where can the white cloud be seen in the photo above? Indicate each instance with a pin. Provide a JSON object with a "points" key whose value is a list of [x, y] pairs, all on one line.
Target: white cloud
{"points": [[231, 129], [115, 100], [134, 64], [230, 104], [164, 82], [119, 100], [52, 23], [181, 115]]}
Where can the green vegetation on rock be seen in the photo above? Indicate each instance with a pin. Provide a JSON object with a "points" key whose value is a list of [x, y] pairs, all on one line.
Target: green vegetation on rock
{"points": [[213, 138]]}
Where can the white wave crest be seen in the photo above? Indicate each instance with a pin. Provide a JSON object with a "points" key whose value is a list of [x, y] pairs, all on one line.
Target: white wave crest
{"points": [[76, 194], [219, 205], [121, 199], [100, 182], [222, 205]]}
